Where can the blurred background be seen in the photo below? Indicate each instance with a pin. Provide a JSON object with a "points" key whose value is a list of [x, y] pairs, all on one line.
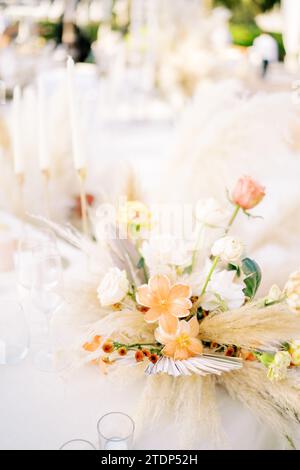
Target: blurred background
{"points": [[150, 76], [175, 41]]}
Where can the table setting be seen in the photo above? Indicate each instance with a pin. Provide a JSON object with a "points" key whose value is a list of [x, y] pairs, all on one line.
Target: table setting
{"points": [[149, 234]]}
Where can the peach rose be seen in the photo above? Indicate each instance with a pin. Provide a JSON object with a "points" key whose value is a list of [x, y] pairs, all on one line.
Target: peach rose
{"points": [[248, 193]]}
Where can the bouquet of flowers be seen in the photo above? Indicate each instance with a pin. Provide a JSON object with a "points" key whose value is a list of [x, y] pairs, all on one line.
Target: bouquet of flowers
{"points": [[185, 313]]}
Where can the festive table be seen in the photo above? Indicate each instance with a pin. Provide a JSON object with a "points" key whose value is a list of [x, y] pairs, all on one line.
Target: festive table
{"points": [[42, 411]]}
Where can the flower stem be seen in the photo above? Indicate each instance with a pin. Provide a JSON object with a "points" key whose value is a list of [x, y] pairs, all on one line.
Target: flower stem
{"points": [[213, 267], [233, 217], [136, 345]]}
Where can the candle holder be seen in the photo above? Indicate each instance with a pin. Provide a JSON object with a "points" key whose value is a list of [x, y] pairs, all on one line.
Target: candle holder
{"points": [[83, 201], [78, 444], [46, 180], [116, 431]]}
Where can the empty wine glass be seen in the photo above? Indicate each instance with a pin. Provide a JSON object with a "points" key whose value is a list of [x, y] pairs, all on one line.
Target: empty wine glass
{"points": [[78, 444], [42, 242], [24, 263], [47, 296], [14, 333]]}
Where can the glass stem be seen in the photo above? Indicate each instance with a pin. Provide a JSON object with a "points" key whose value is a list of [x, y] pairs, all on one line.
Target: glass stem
{"points": [[49, 334]]}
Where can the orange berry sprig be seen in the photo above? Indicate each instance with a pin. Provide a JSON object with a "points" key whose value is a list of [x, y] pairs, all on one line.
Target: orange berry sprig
{"points": [[151, 352]]}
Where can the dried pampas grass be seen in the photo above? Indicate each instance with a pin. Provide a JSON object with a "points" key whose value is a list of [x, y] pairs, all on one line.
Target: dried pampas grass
{"points": [[252, 328], [189, 403], [275, 404], [126, 326]]}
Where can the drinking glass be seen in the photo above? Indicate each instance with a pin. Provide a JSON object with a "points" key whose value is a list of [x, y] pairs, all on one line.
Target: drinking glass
{"points": [[116, 431], [47, 296], [24, 263], [78, 444], [29, 246], [14, 332]]}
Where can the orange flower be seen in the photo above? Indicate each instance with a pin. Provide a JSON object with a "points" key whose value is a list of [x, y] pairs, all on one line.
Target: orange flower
{"points": [[103, 363], [139, 356], [108, 347], [184, 343], [166, 304], [93, 345]]}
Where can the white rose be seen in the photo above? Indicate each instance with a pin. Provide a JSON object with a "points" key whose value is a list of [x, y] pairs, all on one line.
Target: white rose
{"points": [[223, 291], [210, 212], [228, 248], [113, 288]]}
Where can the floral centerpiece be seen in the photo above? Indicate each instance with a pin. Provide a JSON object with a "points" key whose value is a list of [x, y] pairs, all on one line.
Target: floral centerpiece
{"points": [[185, 313]]}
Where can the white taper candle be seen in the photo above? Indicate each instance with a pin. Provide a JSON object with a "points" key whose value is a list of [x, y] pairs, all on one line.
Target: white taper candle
{"points": [[18, 154], [76, 128], [43, 134]]}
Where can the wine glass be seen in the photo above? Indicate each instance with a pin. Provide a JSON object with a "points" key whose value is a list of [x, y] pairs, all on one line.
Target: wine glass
{"points": [[29, 246], [24, 262], [14, 333], [47, 296]]}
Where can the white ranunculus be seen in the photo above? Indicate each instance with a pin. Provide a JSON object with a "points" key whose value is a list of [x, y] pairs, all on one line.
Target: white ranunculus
{"points": [[209, 212], [165, 251], [228, 248], [222, 289], [113, 288]]}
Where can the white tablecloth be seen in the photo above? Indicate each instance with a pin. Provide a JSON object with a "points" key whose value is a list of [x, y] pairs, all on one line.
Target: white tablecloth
{"points": [[42, 411]]}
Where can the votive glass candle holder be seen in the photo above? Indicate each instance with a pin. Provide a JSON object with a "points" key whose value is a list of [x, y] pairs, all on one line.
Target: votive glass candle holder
{"points": [[116, 431]]}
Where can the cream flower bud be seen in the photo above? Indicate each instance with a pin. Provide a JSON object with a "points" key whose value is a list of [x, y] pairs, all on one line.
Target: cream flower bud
{"points": [[278, 369], [292, 290], [294, 350], [228, 248], [274, 294], [113, 288]]}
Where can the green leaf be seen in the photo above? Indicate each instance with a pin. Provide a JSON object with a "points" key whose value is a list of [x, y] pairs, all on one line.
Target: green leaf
{"points": [[234, 267], [266, 359], [141, 263], [253, 277], [200, 313]]}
